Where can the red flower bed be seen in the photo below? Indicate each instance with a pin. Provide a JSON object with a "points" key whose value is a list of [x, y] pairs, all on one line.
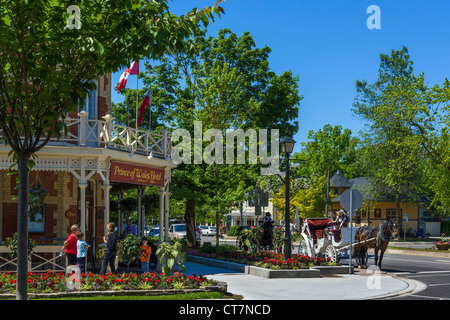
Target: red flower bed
{"points": [[50, 282], [270, 260]]}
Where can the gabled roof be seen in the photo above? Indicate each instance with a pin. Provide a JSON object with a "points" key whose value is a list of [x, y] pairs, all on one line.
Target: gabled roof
{"points": [[339, 181], [362, 184]]}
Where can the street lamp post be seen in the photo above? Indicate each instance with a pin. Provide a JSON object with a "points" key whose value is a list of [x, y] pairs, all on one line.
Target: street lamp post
{"points": [[287, 146]]}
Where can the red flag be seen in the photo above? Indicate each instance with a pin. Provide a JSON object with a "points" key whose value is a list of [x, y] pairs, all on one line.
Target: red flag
{"points": [[123, 80], [144, 104], [133, 69]]}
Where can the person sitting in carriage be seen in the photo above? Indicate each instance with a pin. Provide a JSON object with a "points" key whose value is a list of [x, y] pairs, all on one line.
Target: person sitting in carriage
{"points": [[341, 219]]}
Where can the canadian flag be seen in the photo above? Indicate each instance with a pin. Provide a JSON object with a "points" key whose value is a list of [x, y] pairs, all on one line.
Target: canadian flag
{"points": [[144, 104], [133, 69]]}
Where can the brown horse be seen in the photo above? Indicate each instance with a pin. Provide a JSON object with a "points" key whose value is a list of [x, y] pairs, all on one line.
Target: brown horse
{"points": [[380, 235]]}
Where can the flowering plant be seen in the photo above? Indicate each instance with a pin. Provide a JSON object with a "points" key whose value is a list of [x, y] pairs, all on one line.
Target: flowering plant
{"points": [[269, 260], [443, 239], [54, 282]]}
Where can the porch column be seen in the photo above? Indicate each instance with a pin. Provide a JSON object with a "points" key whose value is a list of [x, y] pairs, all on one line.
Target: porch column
{"points": [[161, 215], [106, 192], [119, 212], [141, 193], [139, 218], [82, 186], [166, 213]]}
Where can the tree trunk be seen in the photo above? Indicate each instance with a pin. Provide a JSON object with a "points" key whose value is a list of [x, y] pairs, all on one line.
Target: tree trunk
{"points": [[189, 219], [22, 229]]}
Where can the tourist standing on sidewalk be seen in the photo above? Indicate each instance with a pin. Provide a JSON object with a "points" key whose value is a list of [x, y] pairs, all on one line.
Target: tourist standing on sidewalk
{"points": [[146, 252], [110, 248], [82, 246], [70, 245]]}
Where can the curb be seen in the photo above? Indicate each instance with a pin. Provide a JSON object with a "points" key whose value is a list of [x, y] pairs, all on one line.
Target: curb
{"points": [[312, 272], [413, 286]]}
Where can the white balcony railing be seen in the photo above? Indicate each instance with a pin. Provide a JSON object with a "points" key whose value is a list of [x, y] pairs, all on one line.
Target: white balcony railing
{"points": [[40, 264], [105, 133]]}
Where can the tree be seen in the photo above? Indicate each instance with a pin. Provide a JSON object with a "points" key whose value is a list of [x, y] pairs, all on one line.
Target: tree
{"points": [[305, 193], [395, 158], [226, 84], [47, 67], [330, 148], [425, 112]]}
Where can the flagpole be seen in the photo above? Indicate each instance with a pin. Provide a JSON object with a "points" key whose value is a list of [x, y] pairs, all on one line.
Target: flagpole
{"points": [[128, 113], [150, 109], [137, 97]]}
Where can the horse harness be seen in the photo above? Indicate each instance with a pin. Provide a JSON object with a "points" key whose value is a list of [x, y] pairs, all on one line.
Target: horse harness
{"points": [[381, 236]]}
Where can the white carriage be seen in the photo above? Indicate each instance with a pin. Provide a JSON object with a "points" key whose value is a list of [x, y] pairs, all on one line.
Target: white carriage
{"points": [[322, 239]]}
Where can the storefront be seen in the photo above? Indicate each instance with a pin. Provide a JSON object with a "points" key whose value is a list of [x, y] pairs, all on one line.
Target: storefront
{"points": [[96, 157]]}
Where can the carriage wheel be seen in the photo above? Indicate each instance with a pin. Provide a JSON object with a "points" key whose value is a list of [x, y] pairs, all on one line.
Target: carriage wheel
{"points": [[330, 252], [302, 249]]}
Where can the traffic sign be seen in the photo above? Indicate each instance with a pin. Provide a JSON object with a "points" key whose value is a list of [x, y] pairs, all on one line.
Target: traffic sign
{"points": [[356, 203]]}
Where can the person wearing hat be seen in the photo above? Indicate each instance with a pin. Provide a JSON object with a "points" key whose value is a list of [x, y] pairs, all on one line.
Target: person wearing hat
{"points": [[341, 219]]}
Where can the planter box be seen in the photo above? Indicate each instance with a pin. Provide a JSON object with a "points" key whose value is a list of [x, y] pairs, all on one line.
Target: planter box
{"points": [[333, 269], [221, 287], [257, 271], [279, 274], [442, 246]]}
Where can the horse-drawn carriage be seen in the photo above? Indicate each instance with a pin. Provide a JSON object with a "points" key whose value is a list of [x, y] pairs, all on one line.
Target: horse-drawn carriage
{"points": [[320, 239]]}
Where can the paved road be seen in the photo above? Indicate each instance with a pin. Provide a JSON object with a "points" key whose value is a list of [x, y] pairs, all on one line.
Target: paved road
{"points": [[432, 271]]}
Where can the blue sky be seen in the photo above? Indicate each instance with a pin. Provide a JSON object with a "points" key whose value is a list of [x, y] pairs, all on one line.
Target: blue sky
{"points": [[328, 45]]}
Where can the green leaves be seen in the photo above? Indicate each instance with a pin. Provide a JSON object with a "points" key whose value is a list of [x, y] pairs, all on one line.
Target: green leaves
{"points": [[407, 123], [330, 148], [60, 62], [169, 254]]}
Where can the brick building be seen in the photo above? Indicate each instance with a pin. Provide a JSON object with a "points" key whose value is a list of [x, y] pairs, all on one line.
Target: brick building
{"points": [[95, 158]]}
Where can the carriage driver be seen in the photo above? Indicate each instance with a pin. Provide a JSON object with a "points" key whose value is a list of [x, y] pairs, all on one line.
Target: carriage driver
{"points": [[267, 218], [341, 219]]}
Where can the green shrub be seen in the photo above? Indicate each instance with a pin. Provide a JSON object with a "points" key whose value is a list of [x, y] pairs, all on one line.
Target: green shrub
{"points": [[128, 250]]}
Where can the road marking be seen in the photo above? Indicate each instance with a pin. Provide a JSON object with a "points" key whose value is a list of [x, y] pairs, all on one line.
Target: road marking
{"points": [[439, 284], [424, 261], [445, 261], [423, 272]]}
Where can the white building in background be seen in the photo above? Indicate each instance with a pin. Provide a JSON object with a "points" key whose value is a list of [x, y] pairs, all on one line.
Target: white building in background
{"points": [[249, 214]]}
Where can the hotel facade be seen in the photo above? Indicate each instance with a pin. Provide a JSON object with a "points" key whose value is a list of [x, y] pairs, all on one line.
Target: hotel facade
{"points": [[95, 158]]}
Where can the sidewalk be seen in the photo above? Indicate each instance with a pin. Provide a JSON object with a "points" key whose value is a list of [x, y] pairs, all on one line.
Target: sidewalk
{"points": [[334, 287]]}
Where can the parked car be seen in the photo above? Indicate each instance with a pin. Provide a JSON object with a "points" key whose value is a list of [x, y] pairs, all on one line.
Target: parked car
{"points": [[209, 231], [178, 231], [154, 232]]}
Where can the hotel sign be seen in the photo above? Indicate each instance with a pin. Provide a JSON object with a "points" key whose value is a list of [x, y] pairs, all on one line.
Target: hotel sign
{"points": [[129, 173]]}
